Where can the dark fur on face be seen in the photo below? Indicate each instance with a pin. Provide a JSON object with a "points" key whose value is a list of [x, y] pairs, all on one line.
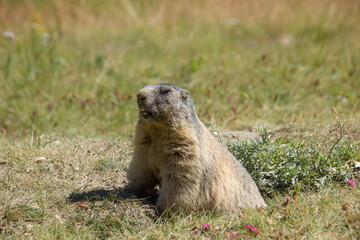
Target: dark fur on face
{"points": [[160, 103]]}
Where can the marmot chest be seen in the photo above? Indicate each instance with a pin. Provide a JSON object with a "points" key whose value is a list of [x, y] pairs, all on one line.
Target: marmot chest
{"points": [[159, 151]]}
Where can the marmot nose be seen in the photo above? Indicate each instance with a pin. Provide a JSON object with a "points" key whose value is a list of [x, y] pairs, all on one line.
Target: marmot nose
{"points": [[141, 97]]}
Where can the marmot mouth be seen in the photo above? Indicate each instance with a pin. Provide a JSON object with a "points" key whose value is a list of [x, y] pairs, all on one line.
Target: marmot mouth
{"points": [[144, 112]]}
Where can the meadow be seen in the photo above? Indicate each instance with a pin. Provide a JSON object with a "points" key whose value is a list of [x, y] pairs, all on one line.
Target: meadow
{"points": [[69, 73]]}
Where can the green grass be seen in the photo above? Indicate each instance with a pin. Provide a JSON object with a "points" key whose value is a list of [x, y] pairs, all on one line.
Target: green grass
{"points": [[283, 165], [282, 65], [71, 187], [68, 83]]}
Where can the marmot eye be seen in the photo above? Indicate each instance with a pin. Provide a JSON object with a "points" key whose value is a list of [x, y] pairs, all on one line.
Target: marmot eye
{"points": [[165, 92]]}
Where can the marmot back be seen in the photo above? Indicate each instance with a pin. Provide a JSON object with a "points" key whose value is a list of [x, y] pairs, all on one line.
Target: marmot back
{"points": [[175, 152]]}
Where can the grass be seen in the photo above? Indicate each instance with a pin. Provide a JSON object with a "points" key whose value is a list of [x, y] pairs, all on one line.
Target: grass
{"points": [[75, 67], [284, 165], [71, 187], [69, 74]]}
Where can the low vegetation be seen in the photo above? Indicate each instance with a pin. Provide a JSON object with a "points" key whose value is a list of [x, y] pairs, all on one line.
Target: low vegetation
{"points": [[73, 187], [283, 165], [69, 71]]}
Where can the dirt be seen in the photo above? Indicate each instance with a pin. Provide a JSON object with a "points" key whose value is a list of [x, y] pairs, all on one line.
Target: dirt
{"points": [[232, 136]]}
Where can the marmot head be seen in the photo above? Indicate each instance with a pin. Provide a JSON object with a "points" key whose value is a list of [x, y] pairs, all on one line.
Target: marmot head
{"points": [[165, 103]]}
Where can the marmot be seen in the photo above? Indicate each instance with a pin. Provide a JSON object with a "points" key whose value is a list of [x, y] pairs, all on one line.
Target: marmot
{"points": [[175, 152]]}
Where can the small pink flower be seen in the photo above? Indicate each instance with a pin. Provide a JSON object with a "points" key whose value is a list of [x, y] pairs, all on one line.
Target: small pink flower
{"points": [[353, 186], [260, 209], [232, 234], [278, 206], [229, 97], [252, 228], [196, 231], [286, 201], [206, 225], [214, 85], [217, 110], [350, 181], [234, 107], [13, 134]]}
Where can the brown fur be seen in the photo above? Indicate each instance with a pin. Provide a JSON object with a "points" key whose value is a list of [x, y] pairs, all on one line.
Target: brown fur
{"points": [[175, 151]]}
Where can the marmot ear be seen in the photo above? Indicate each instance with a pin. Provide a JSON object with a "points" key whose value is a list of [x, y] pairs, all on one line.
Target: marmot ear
{"points": [[184, 94]]}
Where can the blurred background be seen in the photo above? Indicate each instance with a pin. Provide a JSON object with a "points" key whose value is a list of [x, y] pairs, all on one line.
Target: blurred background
{"points": [[74, 67]]}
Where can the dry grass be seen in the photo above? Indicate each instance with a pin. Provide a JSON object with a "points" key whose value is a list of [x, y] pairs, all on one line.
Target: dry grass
{"points": [[75, 66], [281, 62], [167, 13], [65, 188], [49, 183]]}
